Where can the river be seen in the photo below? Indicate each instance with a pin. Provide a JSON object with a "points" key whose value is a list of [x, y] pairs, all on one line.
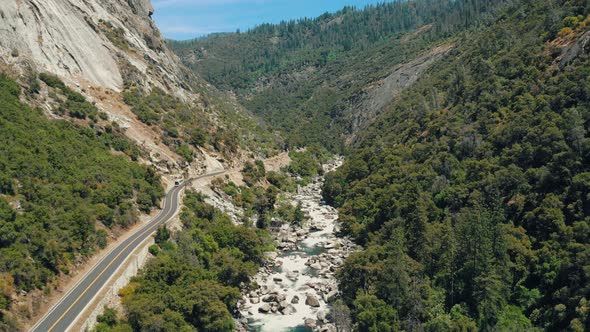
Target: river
{"points": [[297, 284]]}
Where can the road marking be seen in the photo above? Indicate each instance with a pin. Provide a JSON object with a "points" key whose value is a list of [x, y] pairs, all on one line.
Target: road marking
{"points": [[103, 271], [156, 222], [92, 270]]}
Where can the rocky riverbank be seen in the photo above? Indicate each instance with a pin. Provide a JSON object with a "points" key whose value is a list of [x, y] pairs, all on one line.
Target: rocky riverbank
{"points": [[297, 285]]}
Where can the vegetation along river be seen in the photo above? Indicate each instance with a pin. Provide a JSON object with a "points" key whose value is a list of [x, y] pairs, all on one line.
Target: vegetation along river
{"points": [[295, 288]]}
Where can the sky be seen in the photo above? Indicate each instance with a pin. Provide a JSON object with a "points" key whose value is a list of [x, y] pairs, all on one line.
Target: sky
{"points": [[186, 19]]}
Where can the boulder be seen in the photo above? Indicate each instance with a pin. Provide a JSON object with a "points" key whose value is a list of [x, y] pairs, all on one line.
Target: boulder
{"points": [[312, 301], [288, 310], [295, 299], [321, 315], [292, 276], [254, 300], [331, 296], [265, 308], [311, 323], [269, 298], [283, 305], [271, 255]]}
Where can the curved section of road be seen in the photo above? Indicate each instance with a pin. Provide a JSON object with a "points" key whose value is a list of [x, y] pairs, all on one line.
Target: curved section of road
{"points": [[67, 309]]}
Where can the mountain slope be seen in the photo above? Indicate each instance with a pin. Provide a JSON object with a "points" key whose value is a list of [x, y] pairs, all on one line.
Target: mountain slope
{"points": [[323, 80], [104, 48], [470, 194], [97, 116], [62, 193]]}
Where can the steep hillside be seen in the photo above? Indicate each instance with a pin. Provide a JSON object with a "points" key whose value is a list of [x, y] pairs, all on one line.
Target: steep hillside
{"points": [[471, 193], [62, 193], [97, 117], [109, 50], [323, 80]]}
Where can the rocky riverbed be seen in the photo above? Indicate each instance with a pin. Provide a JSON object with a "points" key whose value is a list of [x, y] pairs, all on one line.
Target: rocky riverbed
{"points": [[297, 285]]}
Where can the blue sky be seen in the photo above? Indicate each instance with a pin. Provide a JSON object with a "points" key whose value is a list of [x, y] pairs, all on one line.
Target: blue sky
{"points": [[185, 19]]}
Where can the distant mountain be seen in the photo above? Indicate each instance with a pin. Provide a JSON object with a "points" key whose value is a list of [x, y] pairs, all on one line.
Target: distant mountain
{"points": [[322, 80]]}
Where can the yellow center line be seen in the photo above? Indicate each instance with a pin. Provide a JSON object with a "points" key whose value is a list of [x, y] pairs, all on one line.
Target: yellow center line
{"points": [[149, 229]]}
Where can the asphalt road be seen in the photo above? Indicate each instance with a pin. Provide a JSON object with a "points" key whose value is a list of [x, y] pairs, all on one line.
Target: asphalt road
{"points": [[64, 313]]}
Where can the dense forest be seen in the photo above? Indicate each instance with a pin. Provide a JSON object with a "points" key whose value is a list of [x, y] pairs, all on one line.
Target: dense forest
{"points": [[194, 280], [471, 196], [61, 188], [304, 77], [192, 283]]}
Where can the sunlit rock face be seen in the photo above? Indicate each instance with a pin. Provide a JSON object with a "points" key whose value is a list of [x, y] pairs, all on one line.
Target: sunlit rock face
{"points": [[97, 43]]}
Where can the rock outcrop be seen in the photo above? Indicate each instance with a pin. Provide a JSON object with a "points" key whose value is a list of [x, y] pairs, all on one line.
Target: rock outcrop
{"points": [[573, 50], [93, 43], [376, 97], [88, 41], [98, 48]]}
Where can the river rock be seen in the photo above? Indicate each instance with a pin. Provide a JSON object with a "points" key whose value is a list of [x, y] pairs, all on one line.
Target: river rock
{"points": [[269, 298], [271, 255], [254, 300], [331, 296], [265, 308], [283, 305], [288, 310], [311, 323], [312, 301], [321, 316], [292, 276], [316, 266], [295, 299]]}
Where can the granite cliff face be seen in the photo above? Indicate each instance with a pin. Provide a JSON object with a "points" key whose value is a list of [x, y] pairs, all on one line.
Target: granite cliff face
{"points": [[100, 43], [102, 48]]}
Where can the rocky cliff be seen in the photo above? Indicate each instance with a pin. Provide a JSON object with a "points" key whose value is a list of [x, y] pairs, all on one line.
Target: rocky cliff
{"points": [[93, 42], [102, 48]]}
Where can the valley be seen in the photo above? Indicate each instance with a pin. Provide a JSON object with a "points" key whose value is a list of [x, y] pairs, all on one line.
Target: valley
{"points": [[297, 284], [405, 166]]}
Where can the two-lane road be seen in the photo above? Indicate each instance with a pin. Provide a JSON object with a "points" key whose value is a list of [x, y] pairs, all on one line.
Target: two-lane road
{"points": [[71, 305]]}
